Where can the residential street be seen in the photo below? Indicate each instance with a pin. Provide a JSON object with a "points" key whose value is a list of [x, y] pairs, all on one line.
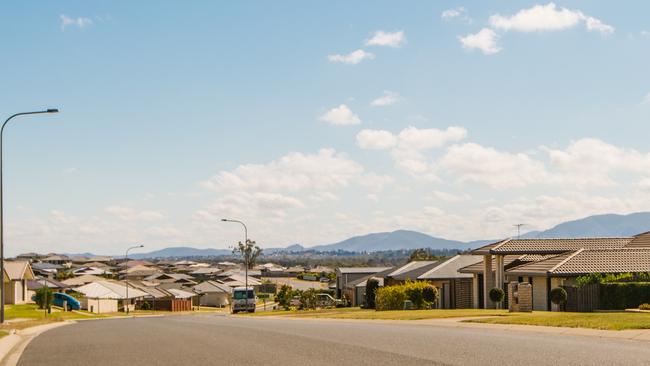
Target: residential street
{"points": [[227, 340]]}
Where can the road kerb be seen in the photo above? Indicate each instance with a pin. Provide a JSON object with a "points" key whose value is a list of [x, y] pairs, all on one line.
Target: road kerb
{"points": [[13, 345]]}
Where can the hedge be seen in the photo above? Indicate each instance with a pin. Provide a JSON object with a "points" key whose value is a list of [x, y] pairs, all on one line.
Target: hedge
{"points": [[624, 295], [393, 297]]}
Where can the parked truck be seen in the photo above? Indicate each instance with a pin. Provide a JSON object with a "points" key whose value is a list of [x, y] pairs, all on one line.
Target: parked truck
{"points": [[243, 300]]}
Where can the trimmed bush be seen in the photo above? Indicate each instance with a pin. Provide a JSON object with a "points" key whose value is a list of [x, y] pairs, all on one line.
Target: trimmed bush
{"points": [[371, 287], [558, 296], [393, 297], [496, 295], [627, 295], [430, 294], [644, 306]]}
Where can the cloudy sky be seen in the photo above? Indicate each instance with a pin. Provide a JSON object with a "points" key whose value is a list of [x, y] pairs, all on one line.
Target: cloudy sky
{"points": [[315, 122]]}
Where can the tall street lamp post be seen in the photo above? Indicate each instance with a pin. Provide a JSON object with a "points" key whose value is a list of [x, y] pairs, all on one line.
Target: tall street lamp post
{"points": [[2, 254], [245, 256], [126, 276]]}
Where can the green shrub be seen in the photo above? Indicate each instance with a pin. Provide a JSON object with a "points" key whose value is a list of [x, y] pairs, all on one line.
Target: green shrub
{"points": [[371, 288], [393, 297], [496, 295], [644, 306], [430, 294], [558, 296], [285, 295], [624, 295], [44, 297]]}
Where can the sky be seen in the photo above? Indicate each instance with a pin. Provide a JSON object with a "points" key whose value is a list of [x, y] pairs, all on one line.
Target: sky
{"points": [[316, 121]]}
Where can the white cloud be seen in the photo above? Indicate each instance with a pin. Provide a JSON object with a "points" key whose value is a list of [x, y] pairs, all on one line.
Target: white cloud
{"points": [[471, 162], [645, 33], [130, 214], [390, 39], [389, 98], [352, 58], [547, 17], [79, 22], [449, 197], [429, 138], [485, 40], [341, 116], [376, 139], [456, 13]]}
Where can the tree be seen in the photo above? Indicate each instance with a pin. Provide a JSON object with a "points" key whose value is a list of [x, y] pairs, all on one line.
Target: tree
{"points": [[249, 252], [430, 294], [284, 296], [497, 295], [44, 297], [422, 255], [371, 288]]}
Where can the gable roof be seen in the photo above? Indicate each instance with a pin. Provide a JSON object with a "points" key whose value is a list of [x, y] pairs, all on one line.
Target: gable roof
{"points": [[18, 270], [82, 280], [367, 270], [411, 270], [556, 246], [450, 268], [109, 290], [212, 286]]}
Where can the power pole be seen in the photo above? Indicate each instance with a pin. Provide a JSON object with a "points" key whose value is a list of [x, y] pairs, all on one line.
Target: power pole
{"points": [[519, 229]]}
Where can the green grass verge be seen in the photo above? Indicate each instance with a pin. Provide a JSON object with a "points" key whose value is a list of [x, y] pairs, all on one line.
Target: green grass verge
{"points": [[357, 313], [605, 321]]}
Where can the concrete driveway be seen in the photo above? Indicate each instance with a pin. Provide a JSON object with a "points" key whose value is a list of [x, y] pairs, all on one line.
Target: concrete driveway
{"points": [[228, 340]]}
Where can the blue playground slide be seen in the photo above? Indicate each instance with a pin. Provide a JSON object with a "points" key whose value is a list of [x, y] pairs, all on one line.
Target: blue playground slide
{"points": [[60, 297]]}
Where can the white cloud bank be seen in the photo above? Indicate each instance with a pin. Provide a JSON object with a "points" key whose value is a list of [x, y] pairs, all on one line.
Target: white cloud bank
{"points": [[485, 40], [389, 98]]}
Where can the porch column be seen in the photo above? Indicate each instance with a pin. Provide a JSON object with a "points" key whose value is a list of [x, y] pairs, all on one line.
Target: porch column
{"points": [[475, 294], [488, 281], [499, 274]]}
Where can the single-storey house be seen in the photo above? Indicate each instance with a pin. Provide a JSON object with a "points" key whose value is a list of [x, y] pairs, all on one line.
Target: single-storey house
{"points": [[344, 275], [455, 289], [16, 275], [550, 263], [103, 296], [213, 293], [34, 285], [81, 280]]}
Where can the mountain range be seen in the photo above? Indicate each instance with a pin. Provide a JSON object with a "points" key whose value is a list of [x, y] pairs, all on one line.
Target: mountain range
{"points": [[608, 225]]}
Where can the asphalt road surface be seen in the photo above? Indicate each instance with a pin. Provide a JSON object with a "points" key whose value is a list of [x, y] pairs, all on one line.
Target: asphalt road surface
{"points": [[228, 340]]}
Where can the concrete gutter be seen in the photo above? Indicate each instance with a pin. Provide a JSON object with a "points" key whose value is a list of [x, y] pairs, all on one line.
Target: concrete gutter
{"points": [[13, 345]]}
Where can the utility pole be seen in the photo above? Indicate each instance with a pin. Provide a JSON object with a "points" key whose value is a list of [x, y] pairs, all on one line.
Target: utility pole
{"points": [[519, 229]]}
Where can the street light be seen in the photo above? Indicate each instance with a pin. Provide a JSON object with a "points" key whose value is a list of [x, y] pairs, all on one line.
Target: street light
{"points": [[245, 257], [126, 275], [2, 251]]}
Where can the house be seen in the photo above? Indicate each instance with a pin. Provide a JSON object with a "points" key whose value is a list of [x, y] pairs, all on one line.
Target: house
{"points": [[81, 280], [181, 278], [91, 271], [550, 263], [29, 257], [34, 285], [57, 259], [213, 293], [104, 296], [348, 274], [237, 280], [355, 290], [46, 269], [16, 275], [138, 272], [204, 274], [409, 272], [455, 289]]}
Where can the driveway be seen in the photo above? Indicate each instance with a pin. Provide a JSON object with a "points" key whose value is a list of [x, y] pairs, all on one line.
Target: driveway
{"points": [[227, 340]]}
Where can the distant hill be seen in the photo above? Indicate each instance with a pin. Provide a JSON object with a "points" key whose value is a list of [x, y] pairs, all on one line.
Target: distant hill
{"points": [[396, 240], [608, 225]]}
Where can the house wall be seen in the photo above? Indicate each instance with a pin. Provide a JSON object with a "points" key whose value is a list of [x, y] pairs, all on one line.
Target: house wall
{"points": [[15, 292], [99, 306], [214, 299], [540, 293]]}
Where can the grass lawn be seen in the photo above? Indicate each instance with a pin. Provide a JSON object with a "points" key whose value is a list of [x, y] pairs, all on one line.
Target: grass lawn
{"points": [[29, 315], [607, 321], [358, 313]]}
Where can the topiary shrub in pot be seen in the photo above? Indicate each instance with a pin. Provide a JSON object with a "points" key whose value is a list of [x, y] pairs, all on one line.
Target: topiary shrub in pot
{"points": [[430, 294], [497, 295], [558, 296]]}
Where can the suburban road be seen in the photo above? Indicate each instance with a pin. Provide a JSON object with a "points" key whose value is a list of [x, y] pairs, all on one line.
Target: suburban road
{"points": [[228, 340]]}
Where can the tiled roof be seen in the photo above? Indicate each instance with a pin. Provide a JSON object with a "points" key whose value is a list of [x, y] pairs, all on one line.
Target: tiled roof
{"points": [[18, 270], [606, 261], [508, 261], [540, 267], [550, 246], [367, 270], [450, 268]]}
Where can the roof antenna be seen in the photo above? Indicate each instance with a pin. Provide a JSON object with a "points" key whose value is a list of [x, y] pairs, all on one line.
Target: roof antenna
{"points": [[519, 229]]}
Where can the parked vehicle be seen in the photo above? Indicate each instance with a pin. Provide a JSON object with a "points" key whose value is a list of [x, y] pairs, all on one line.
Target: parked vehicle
{"points": [[61, 299], [243, 300], [326, 301]]}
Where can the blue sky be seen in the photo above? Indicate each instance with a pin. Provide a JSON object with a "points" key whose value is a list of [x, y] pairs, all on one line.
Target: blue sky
{"points": [[314, 122]]}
